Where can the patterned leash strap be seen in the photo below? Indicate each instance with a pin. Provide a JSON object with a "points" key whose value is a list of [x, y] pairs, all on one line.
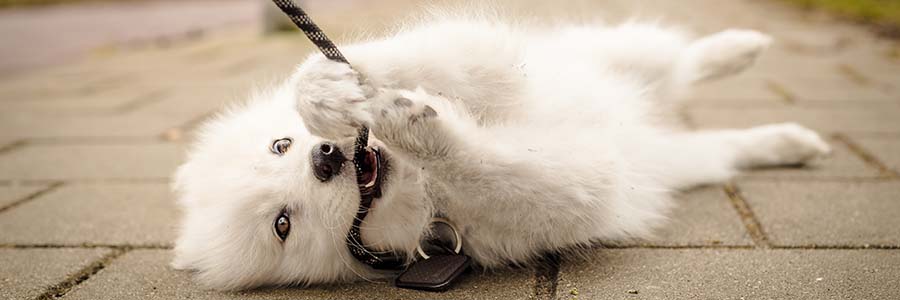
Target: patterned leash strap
{"points": [[312, 31], [315, 34]]}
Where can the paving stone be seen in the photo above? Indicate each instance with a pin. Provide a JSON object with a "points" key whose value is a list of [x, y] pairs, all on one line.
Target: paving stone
{"points": [[26, 273], [886, 149], [826, 213], [113, 100], [703, 216], [40, 86], [835, 88], [146, 274], [32, 125], [779, 77], [153, 160], [870, 117], [129, 213], [842, 163], [732, 274], [873, 61], [215, 61], [714, 103], [9, 193], [745, 90], [784, 67], [832, 38], [199, 100]]}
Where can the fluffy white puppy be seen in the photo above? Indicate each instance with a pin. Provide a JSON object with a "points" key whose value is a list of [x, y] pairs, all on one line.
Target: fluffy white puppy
{"points": [[528, 140]]}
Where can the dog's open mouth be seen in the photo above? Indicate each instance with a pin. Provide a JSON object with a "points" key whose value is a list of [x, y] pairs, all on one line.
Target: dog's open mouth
{"points": [[373, 167]]}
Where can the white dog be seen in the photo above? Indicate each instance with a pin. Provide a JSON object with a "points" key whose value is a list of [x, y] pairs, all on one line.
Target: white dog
{"points": [[529, 141]]}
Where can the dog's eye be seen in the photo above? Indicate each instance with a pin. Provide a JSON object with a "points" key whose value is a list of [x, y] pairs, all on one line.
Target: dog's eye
{"points": [[282, 226], [280, 146]]}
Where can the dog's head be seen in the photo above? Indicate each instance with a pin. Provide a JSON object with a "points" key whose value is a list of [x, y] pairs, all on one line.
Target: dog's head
{"points": [[266, 202]]}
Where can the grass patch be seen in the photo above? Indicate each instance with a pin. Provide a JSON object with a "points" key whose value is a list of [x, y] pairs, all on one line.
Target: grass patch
{"points": [[885, 14]]}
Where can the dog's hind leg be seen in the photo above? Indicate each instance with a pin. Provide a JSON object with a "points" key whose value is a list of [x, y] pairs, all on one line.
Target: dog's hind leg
{"points": [[646, 52], [722, 54], [682, 160], [665, 59]]}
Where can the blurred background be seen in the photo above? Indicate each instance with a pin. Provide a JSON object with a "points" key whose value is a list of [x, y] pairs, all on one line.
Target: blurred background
{"points": [[39, 33]]}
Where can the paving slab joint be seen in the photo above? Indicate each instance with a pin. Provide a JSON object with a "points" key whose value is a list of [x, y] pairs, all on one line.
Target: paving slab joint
{"points": [[546, 276], [752, 224], [783, 93], [866, 156], [839, 247], [87, 246], [52, 187], [750, 247], [146, 180], [679, 247], [854, 75], [60, 289], [143, 100], [13, 146]]}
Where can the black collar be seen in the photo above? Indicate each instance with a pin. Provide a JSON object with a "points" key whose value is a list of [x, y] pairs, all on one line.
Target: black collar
{"points": [[379, 260], [391, 260]]}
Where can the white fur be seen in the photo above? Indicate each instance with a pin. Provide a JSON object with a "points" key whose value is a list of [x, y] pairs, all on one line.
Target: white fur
{"points": [[542, 140]]}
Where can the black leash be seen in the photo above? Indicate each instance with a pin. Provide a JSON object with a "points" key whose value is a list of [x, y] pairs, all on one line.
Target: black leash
{"points": [[434, 272], [312, 31], [375, 259]]}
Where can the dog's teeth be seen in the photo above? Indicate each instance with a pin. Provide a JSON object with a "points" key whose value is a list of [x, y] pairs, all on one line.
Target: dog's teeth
{"points": [[372, 182]]}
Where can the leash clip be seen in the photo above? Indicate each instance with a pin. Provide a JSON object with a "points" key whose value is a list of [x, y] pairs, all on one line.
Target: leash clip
{"points": [[457, 237], [436, 272]]}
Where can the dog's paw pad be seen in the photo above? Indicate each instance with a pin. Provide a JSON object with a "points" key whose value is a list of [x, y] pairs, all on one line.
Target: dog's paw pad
{"points": [[429, 112], [404, 108], [403, 102]]}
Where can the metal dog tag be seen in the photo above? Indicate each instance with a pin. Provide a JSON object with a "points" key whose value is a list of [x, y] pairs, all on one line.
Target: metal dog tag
{"points": [[437, 273]]}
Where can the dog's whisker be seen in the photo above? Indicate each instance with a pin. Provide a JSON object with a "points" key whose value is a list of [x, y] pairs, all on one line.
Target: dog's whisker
{"points": [[369, 227], [341, 256]]}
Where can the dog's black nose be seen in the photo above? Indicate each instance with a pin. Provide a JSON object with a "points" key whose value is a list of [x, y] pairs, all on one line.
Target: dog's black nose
{"points": [[327, 160]]}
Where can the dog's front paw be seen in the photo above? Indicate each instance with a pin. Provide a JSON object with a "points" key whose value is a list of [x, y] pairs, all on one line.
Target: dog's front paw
{"points": [[413, 121], [331, 98]]}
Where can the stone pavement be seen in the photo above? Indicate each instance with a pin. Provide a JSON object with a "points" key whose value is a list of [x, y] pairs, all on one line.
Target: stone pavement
{"points": [[87, 149]]}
